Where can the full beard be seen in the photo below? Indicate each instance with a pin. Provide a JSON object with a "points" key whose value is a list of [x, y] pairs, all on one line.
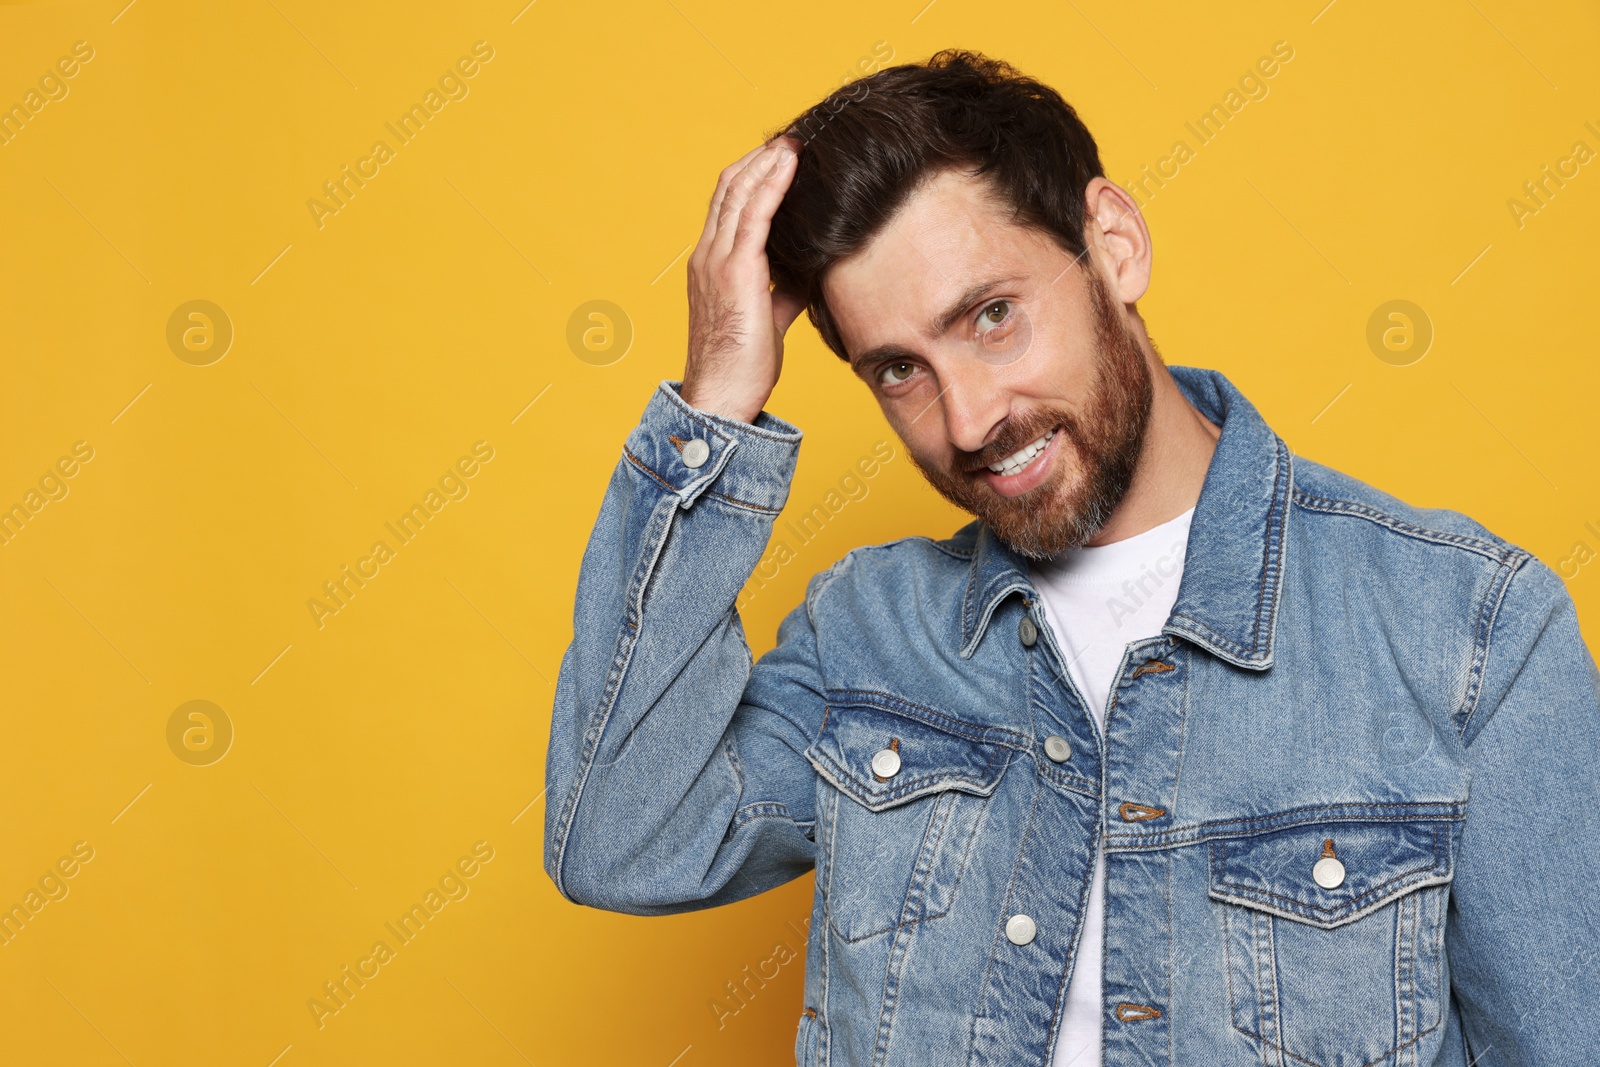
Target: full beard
{"points": [[1106, 436]]}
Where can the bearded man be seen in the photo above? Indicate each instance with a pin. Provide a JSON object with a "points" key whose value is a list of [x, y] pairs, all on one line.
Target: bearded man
{"points": [[1187, 750]]}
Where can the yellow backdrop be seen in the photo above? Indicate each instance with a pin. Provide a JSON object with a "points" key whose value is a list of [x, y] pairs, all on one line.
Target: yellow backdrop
{"points": [[285, 281]]}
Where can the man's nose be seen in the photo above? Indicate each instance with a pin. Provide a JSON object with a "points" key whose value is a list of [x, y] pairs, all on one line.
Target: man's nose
{"points": [[973, 405]]}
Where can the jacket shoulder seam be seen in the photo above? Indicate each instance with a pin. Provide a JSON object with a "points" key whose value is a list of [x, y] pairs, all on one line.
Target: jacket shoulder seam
{"points": [[965, 557], [838, 566], [1503, 554], [1488, 616]]}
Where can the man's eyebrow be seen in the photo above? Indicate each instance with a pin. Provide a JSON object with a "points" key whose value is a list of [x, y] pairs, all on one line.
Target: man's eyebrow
{"points": [[936, 328]]}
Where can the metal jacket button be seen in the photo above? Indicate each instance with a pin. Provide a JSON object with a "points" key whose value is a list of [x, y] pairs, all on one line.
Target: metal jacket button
{"points": [[1027, 631], [695, 453], [1056, 748], [1020, 929], [1328, 871], [885, 763]]}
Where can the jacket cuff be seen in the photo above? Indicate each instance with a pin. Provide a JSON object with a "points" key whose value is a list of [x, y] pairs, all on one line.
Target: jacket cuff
{"points": [[686, 450]]}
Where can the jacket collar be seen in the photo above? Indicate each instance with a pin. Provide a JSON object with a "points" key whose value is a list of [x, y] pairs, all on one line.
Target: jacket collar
{"points": [[1233, 567]]}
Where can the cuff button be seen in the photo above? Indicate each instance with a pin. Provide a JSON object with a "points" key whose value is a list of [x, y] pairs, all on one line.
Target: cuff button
{"points": [[695, 453]]}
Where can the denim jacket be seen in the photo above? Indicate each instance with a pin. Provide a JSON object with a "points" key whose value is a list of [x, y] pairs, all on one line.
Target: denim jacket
{"points": [[1348, 795]]}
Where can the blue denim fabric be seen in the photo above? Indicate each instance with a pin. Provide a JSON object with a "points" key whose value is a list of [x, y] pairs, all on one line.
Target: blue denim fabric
{"points": [[1341, 672]]}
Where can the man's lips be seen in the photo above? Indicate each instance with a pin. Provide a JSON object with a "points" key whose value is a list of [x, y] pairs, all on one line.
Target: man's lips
{"points": [[1031, 474]]}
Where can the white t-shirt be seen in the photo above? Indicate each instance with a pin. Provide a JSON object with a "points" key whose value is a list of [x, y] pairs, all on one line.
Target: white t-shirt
{"points": [[1097, 600]]}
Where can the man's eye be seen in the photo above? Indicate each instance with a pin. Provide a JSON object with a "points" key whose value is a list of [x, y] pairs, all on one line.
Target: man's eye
{"points": [[888, 375], [995, 314]]}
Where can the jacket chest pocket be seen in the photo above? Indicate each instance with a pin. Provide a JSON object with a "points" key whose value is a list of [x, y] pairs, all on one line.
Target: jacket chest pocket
{"points": [[1333, 938], [905, 795]]}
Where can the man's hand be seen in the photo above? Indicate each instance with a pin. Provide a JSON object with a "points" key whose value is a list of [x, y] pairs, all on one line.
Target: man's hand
{"points": [[736, 320]]}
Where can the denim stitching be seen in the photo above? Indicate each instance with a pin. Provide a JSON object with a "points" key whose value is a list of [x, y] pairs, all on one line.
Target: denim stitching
{"points": [[1328, 505], [991, 599], [1051, 773], [1218, 852], [832, 857], [1400, 970], [1166, 892], [1077, 936], [705, 418], [898, 950], [1216, 638], [660, 516], [745, 504], [1295, 903], [1227, 964], [1074, 783], [920, 873], [645, 468], [733, 761], [900, 945], [942, 546], [1183, 727], [1146, 1012], [763, 809], [1311, 1063], [1157, 651], [1218, 828], [1264, 954], [1028, 829], [1276, 1046], [846, 781], [825, 1035], [1045, 769], [869, 698], [1488, 615], [1272, 550], [965, 862], [1405, 961]]}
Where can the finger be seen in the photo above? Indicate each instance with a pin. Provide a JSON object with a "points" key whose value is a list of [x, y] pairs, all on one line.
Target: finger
{"points": [[738, 194], [747, 228], [755, 220], [729, 172]]}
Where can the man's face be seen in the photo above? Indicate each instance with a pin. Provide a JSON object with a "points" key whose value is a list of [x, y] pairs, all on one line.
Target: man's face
{"points": [[984, 341]]}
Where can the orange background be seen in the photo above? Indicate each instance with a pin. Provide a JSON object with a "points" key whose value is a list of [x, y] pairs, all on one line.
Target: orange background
{"points": [[375, 747]]}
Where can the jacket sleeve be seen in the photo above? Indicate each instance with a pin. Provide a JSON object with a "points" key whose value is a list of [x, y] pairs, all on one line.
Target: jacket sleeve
{"points": [[1523, 930], [675, 778]]}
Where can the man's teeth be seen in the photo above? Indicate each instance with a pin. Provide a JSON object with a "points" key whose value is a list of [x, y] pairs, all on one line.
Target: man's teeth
{"points": [[1019, 459]]}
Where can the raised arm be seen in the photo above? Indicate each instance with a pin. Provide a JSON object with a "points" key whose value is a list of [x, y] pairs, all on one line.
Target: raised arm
{"points": [[675, 776]]}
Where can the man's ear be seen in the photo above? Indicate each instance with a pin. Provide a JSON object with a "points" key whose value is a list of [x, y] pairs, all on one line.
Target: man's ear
{"points": [[1118, 239]]}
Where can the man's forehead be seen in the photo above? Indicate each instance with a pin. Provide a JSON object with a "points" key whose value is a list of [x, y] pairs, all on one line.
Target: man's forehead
{"points": [[948, 239], [948, 216]]}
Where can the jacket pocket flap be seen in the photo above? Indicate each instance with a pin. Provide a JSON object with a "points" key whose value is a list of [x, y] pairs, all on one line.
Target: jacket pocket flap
{"points": [[1364, 865], [929, 751]]}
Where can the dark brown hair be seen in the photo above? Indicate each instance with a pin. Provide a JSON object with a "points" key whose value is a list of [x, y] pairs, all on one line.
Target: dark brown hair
{"points": [[873, 141]]}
